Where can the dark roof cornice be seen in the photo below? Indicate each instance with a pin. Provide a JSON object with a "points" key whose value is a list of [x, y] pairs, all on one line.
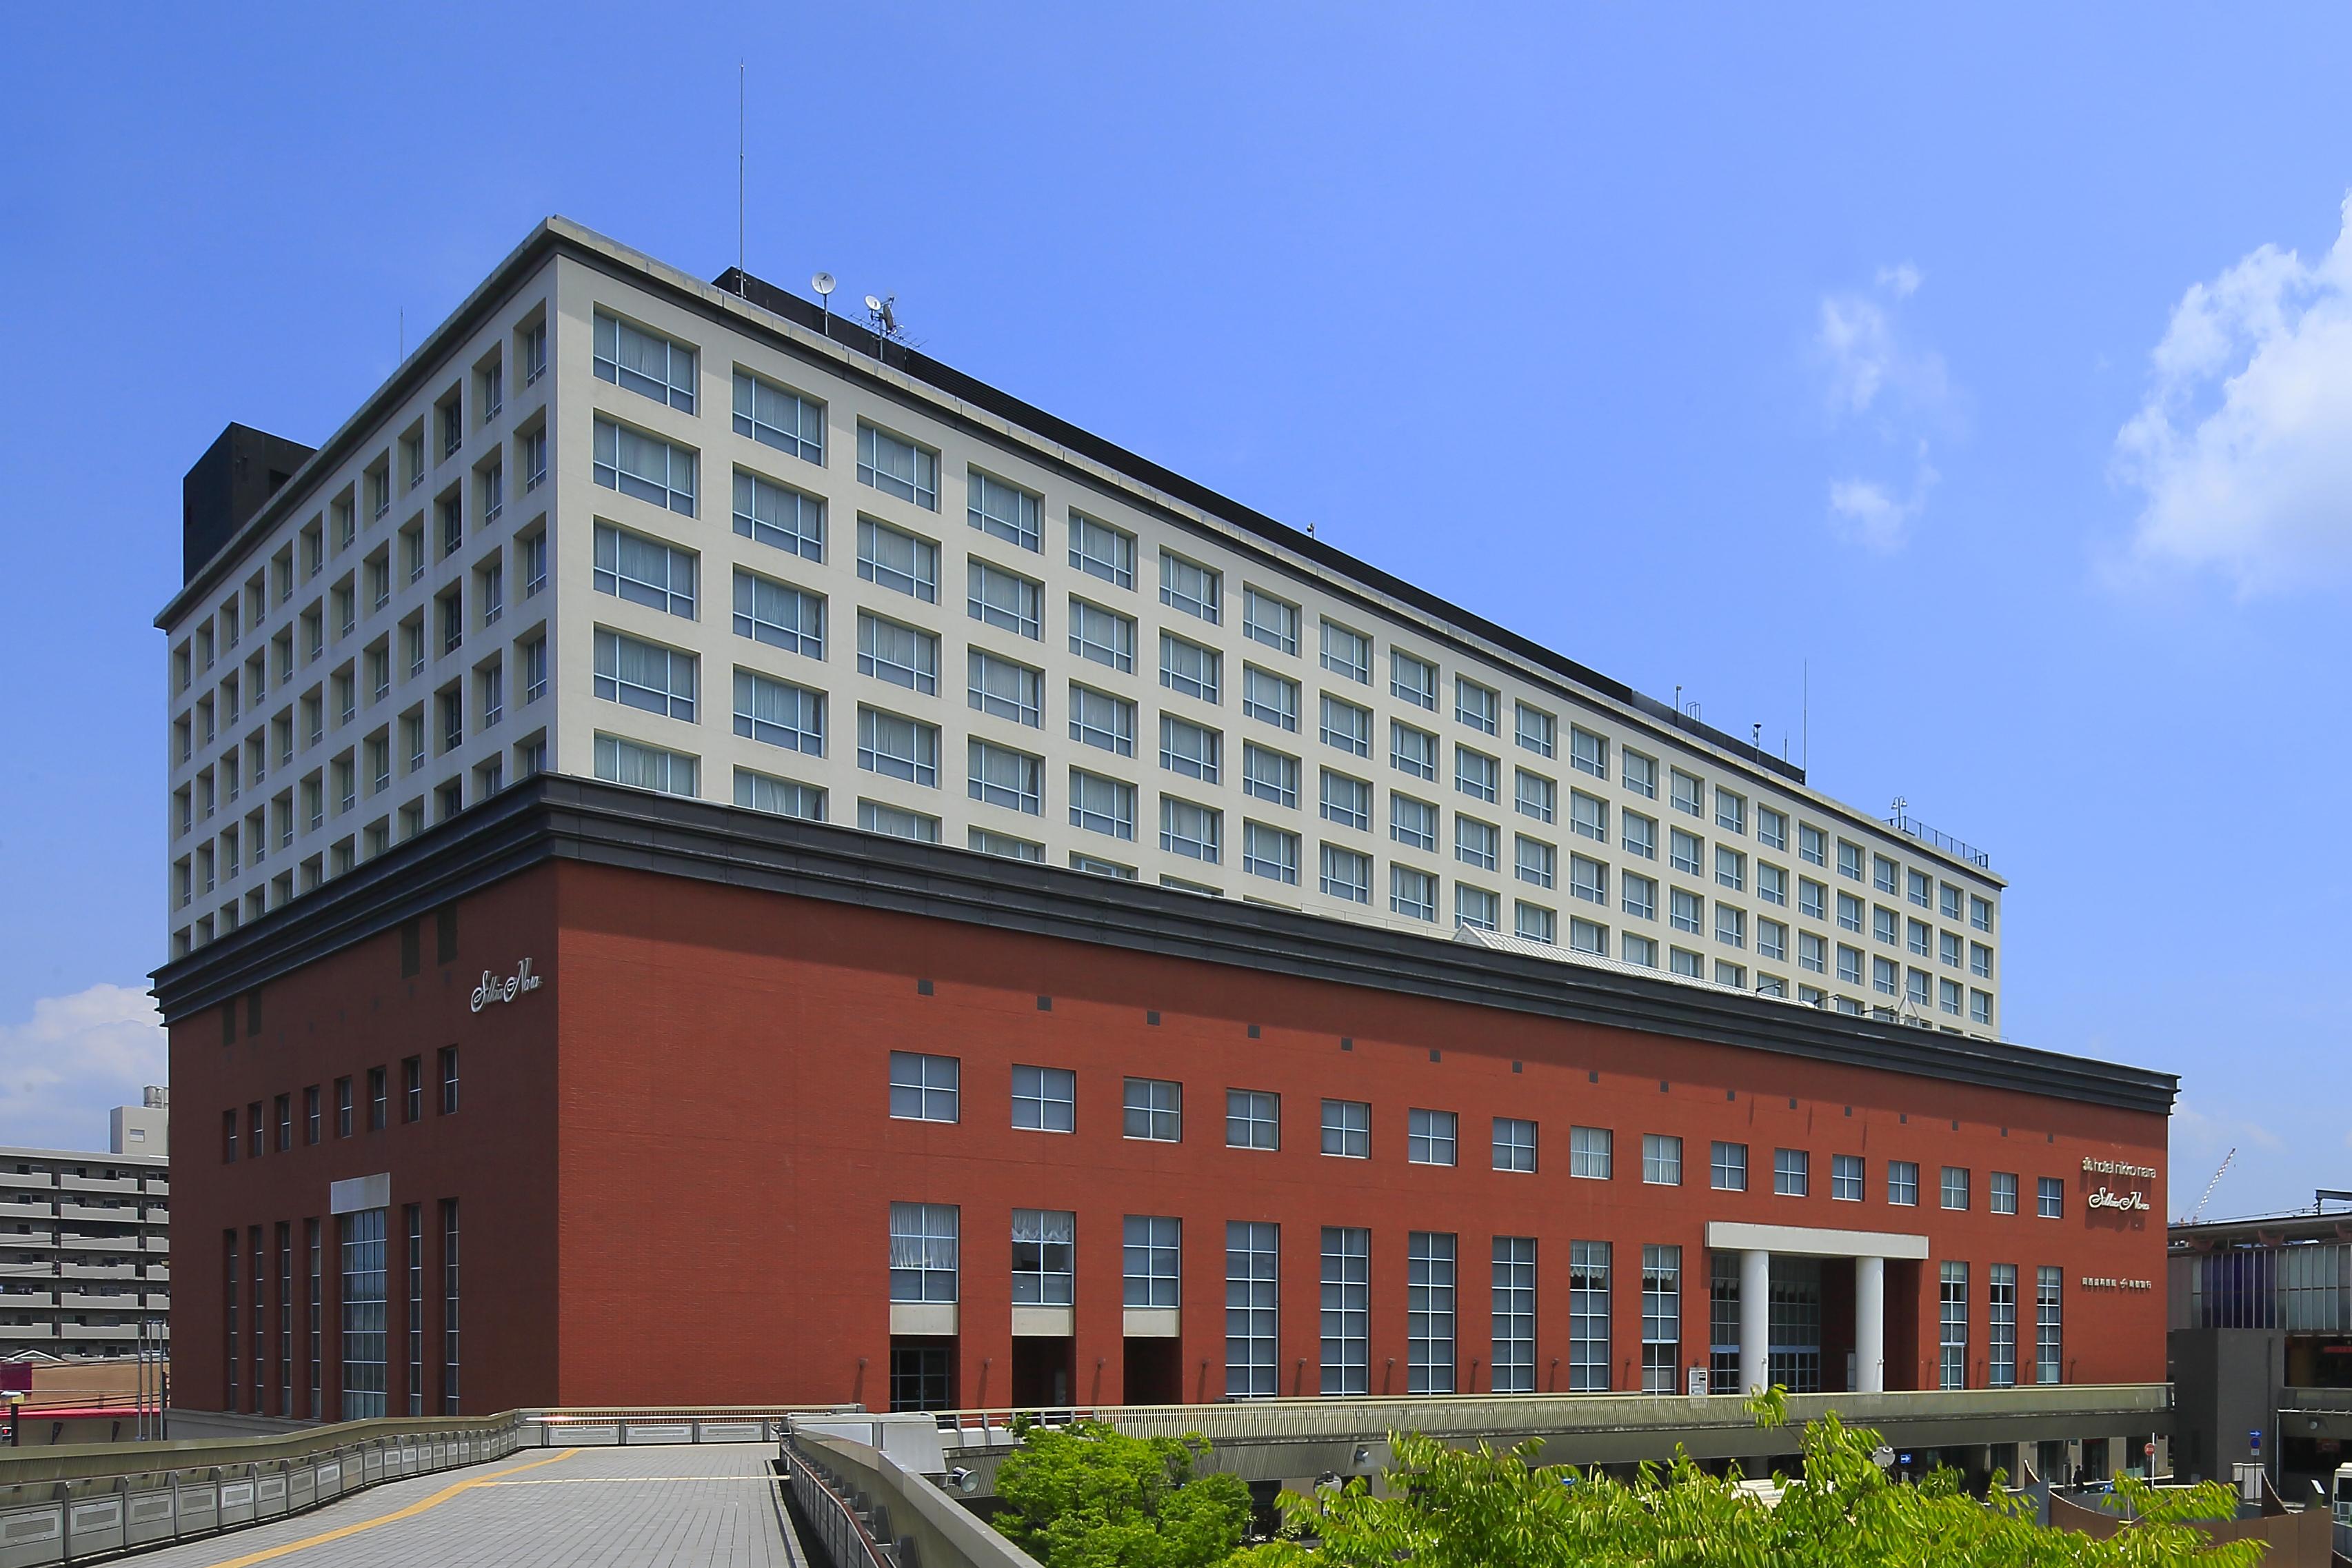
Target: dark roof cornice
{"points": [[559, 817]]}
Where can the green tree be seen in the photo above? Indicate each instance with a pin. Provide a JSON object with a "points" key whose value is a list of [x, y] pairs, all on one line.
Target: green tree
{"points": [[1481, 1507], [1086, 1495]]}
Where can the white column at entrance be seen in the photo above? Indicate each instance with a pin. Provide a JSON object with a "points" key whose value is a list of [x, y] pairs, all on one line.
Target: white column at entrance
{"points": [[1755, 1319], [1870, 1324]]}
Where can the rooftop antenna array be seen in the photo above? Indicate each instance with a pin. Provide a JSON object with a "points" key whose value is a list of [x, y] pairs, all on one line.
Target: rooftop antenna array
{"points": [[882, 314], [738, 176]]}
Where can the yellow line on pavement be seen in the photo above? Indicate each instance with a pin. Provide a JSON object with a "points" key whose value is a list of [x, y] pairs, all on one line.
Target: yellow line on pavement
{"points": [[411, 1512]]}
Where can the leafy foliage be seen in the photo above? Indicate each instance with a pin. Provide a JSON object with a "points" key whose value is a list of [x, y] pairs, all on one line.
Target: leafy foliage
{"points": [[1477, 1507], [1086, 1495]]}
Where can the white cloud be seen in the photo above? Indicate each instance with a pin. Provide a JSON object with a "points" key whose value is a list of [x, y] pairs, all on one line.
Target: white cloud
{"points": [[1873, 515], [74, 1059], [2243, 449], [1880, 387]]}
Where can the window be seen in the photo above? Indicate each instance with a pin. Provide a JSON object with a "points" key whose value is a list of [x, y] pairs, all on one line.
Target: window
{"points": [[1413, 751], [1513, 1314], [1845, 1178], [1476, 843], [1952, 1341], [1640, 835], [379, 1098], [1412, 822], [1347, 1129], [645, 361], [1189, 669], [1849, 912], [902, 655], [1001, 777], [1477, 705], [1532, 794], [1589, 1152], [1003, 690], [1415, 679], [1662, 1160], [1534, 922], [1685, 852], [1477, 907], [1270, 852], [647, 571], [1685, 910], [1730, 869], [362, 1236], [1980, 960], [2001, 1195], [1588, 816], [1476, 774], [1956, 1186], [1252, 1119], [1154, 1110], [1101, 721], [1689, 793], [1533, 861], [1727, 1168], [1189, 586], [1269, 620], [448, 1068], [1100, 805], [1045, 1099], [1153, 1268], [1515, 1143], [1662, 1319], [1980, 912], [2048, 1337], [644, 675], [1004, 847], [1730, 927], [1918, 934], [898, 466], [1534, 729], [1638, 896], [1771, 828], [1347, 653], [923, 1246], [1429, 1312], [1980, 1008], [890, 558], [1004, 510], [1588, 1316], [1347, 726], [924, 1088], [1269, 774], [772, 514], [646, 467], [1103, 636], [1849, 860], [1771, 884], [534, 669], [411, 1090], [1006, 601], [1270, 698], [1189, 749], [1347, 874], [1346, 1310], [778, 714], [1587, 879], [1883, 874], [2050, 1197], [1792, 1173], [874, 817], [1192, 830], [1430, 1137], [1101, 551], [1902, 1183], [778, 416], [1253, 1309], [1346, 801], [898, 747]]}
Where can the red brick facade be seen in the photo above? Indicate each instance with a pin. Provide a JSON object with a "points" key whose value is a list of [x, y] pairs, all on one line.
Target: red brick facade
{"points": [[675, 1160]]}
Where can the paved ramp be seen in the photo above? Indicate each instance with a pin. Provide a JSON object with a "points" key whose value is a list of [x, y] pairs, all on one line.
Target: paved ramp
{"points": [[708, 1506]]}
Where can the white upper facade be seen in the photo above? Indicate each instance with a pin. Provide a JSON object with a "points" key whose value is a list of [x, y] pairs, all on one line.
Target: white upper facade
{"points": [[613, 521]]}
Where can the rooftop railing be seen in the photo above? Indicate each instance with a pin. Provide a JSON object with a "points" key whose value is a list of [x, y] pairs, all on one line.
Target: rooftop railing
{"points": [[1902, 822]]}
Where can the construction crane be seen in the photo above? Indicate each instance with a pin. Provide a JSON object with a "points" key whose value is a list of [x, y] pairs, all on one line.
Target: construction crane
{"points": [[2199, 1213]]}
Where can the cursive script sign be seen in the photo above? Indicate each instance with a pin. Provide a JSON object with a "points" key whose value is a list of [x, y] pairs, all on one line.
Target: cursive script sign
{"points": [[493, 989], [2106, 1198]]}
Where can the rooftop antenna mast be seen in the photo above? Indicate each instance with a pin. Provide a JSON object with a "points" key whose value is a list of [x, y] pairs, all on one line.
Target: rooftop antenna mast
{"points": [[738, 176], [824, 285]]}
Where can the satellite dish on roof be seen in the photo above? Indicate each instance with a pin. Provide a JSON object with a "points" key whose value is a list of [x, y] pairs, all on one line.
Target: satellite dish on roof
{"points": [[823, 283], [873, 304]]}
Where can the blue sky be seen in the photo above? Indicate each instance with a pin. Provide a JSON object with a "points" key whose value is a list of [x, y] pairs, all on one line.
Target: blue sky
{"points": [[1996, 369]]}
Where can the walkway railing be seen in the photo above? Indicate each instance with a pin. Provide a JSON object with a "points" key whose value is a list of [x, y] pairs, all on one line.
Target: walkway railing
{"points": [[71, 1504]]}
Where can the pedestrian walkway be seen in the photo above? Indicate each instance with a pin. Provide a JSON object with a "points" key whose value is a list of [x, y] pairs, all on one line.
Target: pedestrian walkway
{"points": [[710, 1506]]}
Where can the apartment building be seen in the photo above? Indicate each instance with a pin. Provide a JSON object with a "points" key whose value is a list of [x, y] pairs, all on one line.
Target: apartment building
{"points": [[700, 540], [85, 1240]]}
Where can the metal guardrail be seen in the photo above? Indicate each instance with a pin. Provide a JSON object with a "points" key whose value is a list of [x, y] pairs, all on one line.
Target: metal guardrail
{"points": [[621, 1427], [829, 1510], [76, 1518], [1902, 822]]}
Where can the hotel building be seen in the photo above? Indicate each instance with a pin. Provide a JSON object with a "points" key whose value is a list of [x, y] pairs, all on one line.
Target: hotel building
{"points": [[582, 845]]}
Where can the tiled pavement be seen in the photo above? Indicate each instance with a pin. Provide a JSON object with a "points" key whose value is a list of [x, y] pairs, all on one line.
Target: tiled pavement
{"points": [[687, 1507]]}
